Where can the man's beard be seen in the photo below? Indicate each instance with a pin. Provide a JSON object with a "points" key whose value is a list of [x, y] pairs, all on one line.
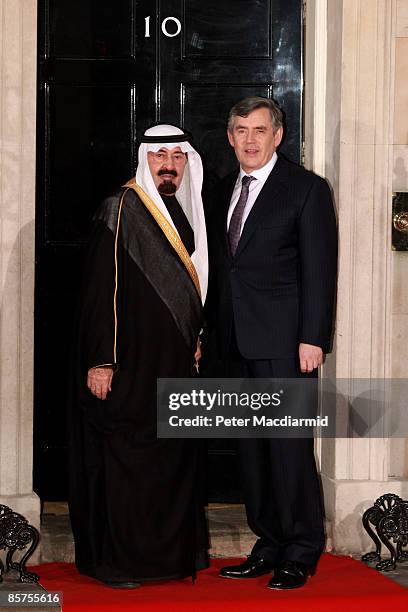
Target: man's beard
{"points": [[167, 188]]}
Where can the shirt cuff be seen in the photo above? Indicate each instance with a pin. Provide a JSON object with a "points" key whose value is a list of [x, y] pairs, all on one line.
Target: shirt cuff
{"points": [[114, 366]]}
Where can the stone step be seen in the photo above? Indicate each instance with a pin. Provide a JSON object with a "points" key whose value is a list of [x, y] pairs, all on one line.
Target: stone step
{"points": [[15, 595], [230, 535]]}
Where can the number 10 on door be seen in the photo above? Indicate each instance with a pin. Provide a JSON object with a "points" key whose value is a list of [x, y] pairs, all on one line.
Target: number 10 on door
{"points": [[164, 25]]}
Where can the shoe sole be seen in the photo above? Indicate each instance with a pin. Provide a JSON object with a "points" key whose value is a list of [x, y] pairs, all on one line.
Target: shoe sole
{"points": [[245, 577], [286, 588], [124, 586], [276, 588]]}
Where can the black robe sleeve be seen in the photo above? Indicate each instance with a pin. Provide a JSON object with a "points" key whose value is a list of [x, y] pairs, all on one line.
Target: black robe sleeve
{"points": [[99, 309]]}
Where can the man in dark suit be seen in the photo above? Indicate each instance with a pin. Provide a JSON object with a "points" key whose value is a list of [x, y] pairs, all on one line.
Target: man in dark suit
{"points": [[273, 250]]}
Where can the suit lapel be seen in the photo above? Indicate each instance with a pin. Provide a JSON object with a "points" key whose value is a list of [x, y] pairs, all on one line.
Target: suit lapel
{"points": [[274, 184]]}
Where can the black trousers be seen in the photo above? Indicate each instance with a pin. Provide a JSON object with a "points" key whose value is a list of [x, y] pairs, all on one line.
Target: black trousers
{"points": [[280, 482]]}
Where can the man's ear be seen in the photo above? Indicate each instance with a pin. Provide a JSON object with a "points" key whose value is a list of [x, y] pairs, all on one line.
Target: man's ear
{"points": [[278, 136], [230, 138]]}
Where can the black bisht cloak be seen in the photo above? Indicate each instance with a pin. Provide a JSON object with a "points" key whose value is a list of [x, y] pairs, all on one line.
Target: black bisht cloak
{"points": [[135, 501]]}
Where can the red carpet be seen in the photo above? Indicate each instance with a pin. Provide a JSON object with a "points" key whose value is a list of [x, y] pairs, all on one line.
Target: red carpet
{"points": [[340, 585]]}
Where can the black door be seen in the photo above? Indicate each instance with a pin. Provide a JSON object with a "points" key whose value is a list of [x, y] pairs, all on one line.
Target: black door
{"points": [[106, 71]]}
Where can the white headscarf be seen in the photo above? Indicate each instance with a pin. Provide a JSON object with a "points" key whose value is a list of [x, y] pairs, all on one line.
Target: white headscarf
{"points": [[188, 194]]}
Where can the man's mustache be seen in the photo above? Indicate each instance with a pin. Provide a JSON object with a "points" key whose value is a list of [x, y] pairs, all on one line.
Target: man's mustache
{"points": [[165, 171]]}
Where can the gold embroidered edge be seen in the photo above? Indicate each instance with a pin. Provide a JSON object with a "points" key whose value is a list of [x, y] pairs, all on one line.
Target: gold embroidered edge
{"points": [[115, 293], [168, 231]]}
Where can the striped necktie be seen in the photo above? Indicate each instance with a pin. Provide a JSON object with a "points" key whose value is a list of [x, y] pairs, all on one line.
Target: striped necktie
{"points": [[235, 225]]}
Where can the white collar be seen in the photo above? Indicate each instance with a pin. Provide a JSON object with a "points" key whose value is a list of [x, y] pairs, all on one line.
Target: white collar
{"points": [[262, 173]]}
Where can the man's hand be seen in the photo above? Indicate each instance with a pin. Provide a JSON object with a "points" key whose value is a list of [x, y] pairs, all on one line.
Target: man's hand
{"points": [[310, 357], [197, 356], [99, 381]]}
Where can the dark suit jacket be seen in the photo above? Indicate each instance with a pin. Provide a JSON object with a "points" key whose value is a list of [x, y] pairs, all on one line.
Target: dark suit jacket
{"points": [[279, 289]]}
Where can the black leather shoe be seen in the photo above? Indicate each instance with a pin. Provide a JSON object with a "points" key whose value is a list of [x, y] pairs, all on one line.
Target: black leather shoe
{"points": [[291, 575], [122, 584], [251, 568]]}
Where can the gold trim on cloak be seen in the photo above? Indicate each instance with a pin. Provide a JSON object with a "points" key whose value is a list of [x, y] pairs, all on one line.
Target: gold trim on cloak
{"points": [[115, 293], [168, 230]]}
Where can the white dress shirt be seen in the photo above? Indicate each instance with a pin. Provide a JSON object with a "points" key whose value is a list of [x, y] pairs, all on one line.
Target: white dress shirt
{"points": [[254, 188]]}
